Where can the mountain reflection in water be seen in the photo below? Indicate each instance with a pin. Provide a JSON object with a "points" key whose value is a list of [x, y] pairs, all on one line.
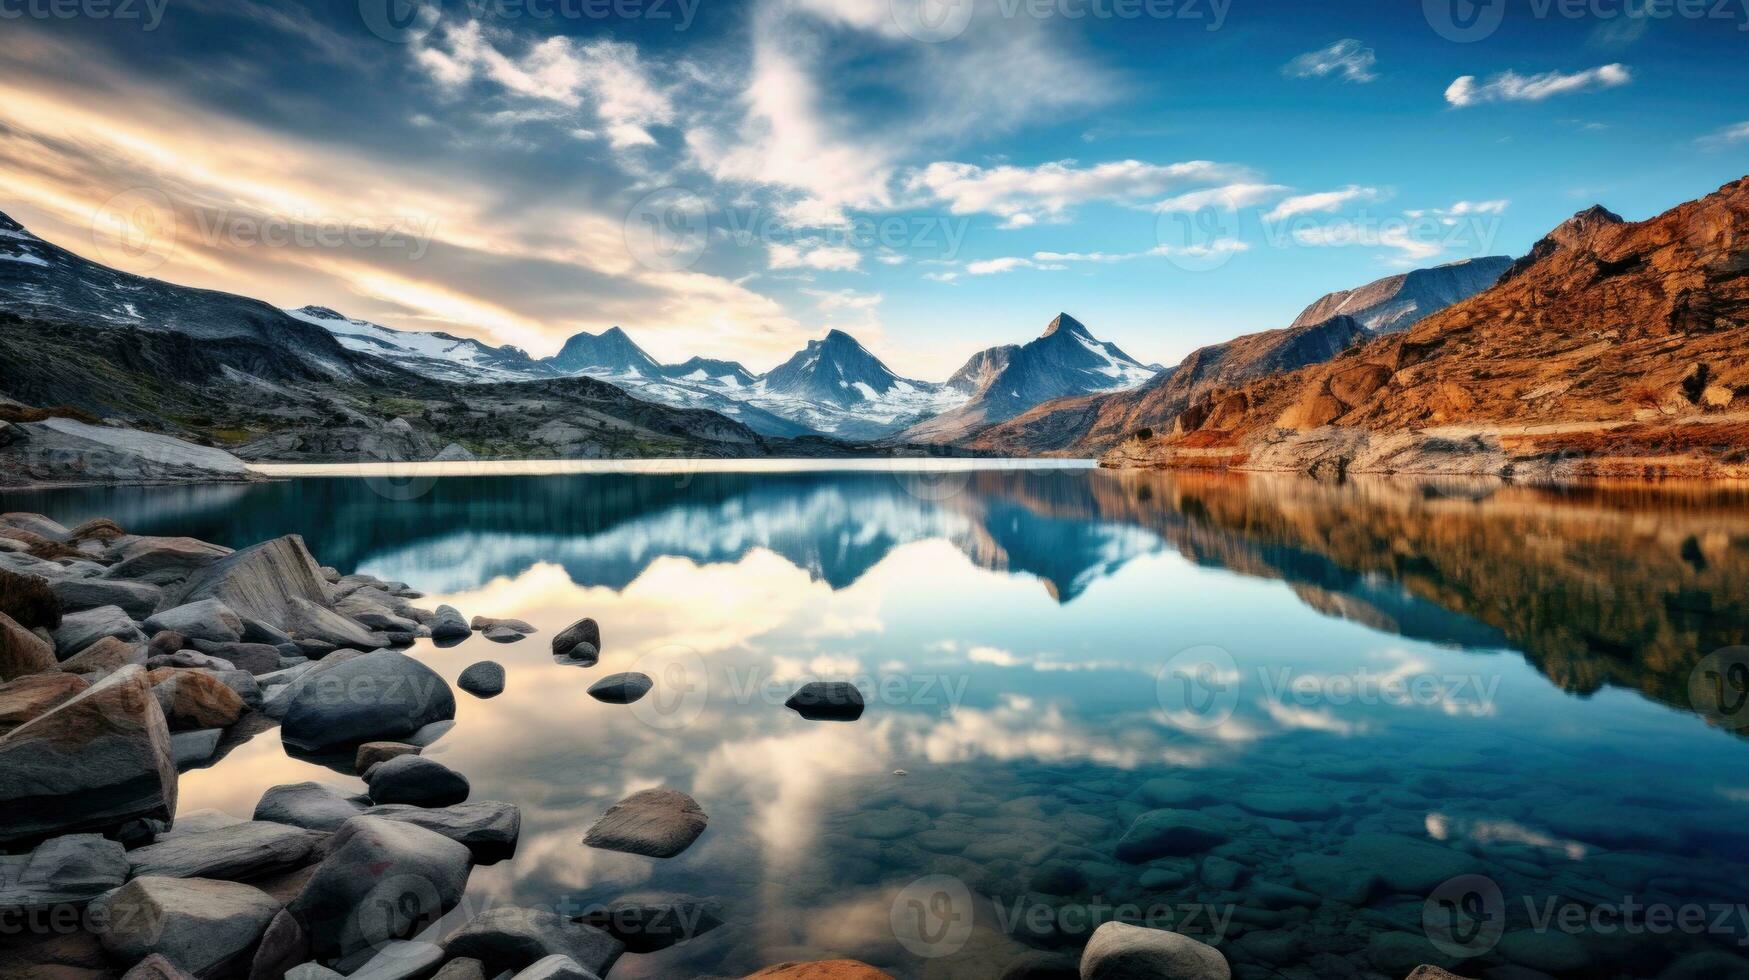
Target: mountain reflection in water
{"points": [[1422, 681]]}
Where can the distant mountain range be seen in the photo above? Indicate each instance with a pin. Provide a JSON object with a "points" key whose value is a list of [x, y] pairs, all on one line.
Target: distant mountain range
{"points": [[1064, 392]]}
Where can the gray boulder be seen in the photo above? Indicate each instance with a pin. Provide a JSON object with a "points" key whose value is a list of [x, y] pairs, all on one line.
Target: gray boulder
{"points": [[484, 623], [652, 822], [483, 680], [416, 780], [502, 634], [308, 805], [448, 626], [104, 657], [239, 852], [621, 688], [186, 658], [313, 971], [81, 629], [381, 880], [308, 622], [512, 938], [1119, 951], [261, 582], [95, 762], [1169, 833], [195, 747], [488, 829], [206, 927], [398, 960], [256, 658], [137, 599], [208, 619], [163, 562], [570, 642], [555, 967], [65, 871], [156, 967], [380, 695], [371, 753]]}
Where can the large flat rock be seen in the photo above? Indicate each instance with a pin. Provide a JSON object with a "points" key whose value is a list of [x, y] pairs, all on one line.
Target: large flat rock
{"points": [[93, 763], [260, 582], [239, 852], [206, 927], [65, 451], [65, 871]]}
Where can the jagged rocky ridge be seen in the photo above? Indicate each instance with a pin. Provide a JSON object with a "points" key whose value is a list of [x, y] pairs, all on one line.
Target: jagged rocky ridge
{"points": [[1614, 349]]}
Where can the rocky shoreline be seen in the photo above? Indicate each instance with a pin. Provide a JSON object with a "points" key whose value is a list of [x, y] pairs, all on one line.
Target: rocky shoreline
{"points": [[127, 659]]}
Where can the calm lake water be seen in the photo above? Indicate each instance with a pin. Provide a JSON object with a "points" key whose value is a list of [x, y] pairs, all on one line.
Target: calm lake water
{"points": [[1498, 728]]}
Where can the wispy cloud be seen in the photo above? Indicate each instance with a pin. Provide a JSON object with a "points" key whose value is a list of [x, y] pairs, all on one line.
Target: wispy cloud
{"points": [[1347, 58], [1231, 197], [1510, 86], [1024, 195], [1325, 202], [1725, 136]]}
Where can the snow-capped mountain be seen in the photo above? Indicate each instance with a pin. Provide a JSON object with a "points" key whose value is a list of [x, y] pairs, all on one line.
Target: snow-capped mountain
{"points": [[837, 387], [610, 352], [1395, 302], [705, 370], [42, 281], [1065, 360], [434, 355]]}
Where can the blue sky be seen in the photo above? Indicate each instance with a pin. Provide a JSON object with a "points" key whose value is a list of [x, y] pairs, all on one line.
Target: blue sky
{"points": [[731, 179]]}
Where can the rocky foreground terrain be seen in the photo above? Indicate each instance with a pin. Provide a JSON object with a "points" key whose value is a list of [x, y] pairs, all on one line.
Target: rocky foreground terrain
{"points": [[1612, 350], [125, 659]]}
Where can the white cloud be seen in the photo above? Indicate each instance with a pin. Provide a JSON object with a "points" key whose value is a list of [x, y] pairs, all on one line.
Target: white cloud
{"points": [[1023, 195], [1510, 86], [1349, 58], [1462, 209], [1350, 233], [1323, 201], [1726, 136], [838, 300], [813, 254], [1232, 197], [987, 267], [607, 76]]}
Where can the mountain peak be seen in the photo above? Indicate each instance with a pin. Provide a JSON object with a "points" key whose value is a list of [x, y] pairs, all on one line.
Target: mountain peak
{"points": [[1067, 324], [319, 313], [1575, 232]]}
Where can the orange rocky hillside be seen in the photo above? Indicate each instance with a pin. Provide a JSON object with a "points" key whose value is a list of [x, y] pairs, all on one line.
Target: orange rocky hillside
{"points": [[1612, 350]]}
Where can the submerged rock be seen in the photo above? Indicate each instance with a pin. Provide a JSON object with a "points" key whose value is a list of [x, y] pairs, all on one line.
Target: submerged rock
{"points": [[621, 688], [827, 701], [1169, 833], [483, 680], [205, 927], [512, 938], [405, 875], [376, 696], [1119, 951], [502, 634], [652, 822], [94, 762], [647, 924], [416, 780]]}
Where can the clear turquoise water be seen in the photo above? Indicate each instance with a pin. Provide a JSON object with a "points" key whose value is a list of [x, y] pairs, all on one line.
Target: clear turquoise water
{"points": [[1369, 690]]}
